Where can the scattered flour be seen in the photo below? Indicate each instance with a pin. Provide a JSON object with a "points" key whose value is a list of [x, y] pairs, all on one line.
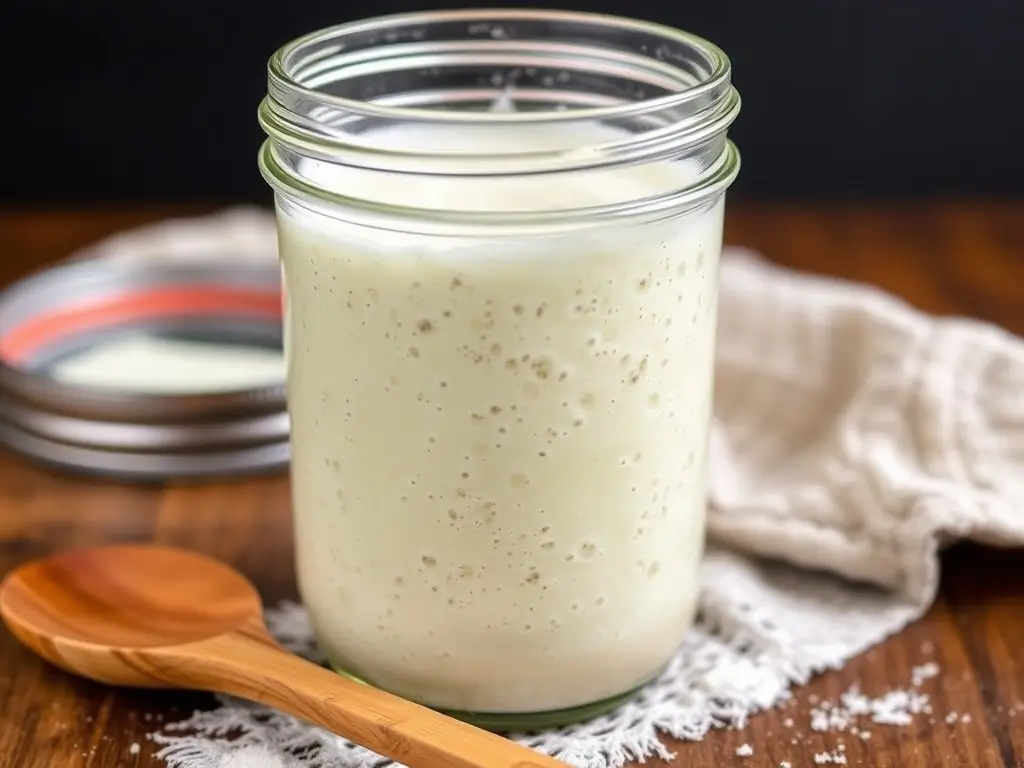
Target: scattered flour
{"points": [[825, 758], [896, 707], [134, 749], [853, 709], [745, 681], [924, 672]]}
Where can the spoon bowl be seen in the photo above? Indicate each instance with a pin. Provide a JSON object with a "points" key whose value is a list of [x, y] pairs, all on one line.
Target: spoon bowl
{"points": [[148, 616], [77, 607]]}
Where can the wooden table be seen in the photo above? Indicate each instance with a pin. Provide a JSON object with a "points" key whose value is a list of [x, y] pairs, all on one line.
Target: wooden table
{"points": [[954, 258]]}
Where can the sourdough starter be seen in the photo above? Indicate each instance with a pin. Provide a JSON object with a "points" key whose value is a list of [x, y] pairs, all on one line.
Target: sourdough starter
{"points": [[499, 445]]}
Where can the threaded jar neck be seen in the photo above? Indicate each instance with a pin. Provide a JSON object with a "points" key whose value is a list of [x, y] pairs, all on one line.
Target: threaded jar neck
{"points": [[663, 95]]}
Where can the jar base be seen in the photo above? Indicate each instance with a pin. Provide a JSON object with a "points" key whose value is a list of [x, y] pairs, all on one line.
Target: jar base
{"points": [[519, 722]]}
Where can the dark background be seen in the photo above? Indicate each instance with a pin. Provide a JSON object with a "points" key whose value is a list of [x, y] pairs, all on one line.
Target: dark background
{"points": [[156, 99]]}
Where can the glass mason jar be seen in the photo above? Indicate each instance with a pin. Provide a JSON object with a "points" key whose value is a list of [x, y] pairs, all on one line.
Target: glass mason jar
{"points": [[499, 233]]}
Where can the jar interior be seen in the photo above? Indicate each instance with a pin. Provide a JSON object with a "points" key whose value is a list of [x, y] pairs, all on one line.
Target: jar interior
{"points": [[553, 64], [548, 69], [542, 66]]}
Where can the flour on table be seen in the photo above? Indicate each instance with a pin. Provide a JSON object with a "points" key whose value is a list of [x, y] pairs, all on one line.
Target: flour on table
{"points": [[826, 758], [853, 709]]}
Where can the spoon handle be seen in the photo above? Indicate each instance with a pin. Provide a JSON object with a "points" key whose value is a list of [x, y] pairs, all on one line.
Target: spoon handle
{"points": [[248, 664]]}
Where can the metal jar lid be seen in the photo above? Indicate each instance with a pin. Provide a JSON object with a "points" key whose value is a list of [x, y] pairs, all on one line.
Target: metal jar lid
{"points": [[139, 435]]}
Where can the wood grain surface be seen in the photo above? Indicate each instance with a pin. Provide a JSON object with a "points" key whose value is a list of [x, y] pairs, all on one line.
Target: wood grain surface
{"points": [[953, 258]]}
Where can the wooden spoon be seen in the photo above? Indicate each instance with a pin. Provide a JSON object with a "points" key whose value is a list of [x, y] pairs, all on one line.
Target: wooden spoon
{"points": [[156, 617]]}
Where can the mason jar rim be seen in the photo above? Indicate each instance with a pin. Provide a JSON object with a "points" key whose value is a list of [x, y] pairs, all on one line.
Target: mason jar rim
{"points": [[280, 78], [693, 104]]}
